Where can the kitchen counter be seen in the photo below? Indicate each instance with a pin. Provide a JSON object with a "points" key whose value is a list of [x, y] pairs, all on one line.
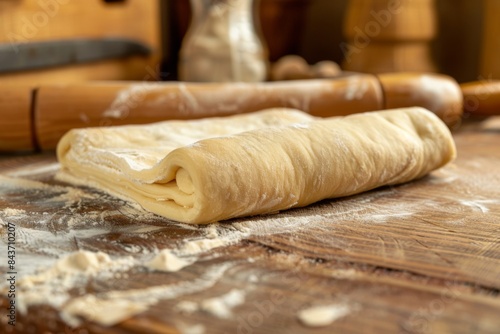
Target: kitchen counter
{"points": [[423, 257]]}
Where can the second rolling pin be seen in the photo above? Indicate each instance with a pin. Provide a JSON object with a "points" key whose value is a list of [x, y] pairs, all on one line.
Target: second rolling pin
{"points": [[58, 108]]}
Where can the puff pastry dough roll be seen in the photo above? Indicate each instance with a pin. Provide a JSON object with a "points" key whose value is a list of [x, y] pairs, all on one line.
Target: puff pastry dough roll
{"points": [[256, 163]]}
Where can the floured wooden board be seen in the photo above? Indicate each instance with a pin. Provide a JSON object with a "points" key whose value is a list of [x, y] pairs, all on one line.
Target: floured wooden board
{"points": [[421, 258]]}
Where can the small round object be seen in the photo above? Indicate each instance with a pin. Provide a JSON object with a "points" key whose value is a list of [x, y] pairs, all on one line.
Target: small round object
{"points": [[326, 69], [290, 67]]}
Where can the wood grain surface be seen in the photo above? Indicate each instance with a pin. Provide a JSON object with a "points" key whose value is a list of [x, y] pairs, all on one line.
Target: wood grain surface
{"points": [[423, 257]]}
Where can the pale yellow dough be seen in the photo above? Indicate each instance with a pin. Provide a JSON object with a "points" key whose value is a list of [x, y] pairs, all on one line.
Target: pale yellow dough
{"points": [[202, 171]]}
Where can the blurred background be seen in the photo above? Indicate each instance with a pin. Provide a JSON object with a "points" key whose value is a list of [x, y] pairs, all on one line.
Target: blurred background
{"points": [[315, 30], [460, 38]]}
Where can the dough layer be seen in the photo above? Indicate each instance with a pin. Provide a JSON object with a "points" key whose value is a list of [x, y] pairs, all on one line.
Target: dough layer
{"points": [[214, 169]]}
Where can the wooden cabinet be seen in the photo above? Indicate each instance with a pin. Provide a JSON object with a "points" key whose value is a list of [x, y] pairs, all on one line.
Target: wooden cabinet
{"points": [[490, 56]]}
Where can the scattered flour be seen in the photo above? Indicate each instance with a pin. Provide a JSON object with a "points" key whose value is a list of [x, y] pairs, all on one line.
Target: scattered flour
{"points": [[169, 262], [479, 204], [187, 306], [134, 301], [211, 231], [191, 329], [193, 247], [319, 316], [220, 306], [51, 286], [253, 278], [104, 312], [82, 261], [10, 212]]}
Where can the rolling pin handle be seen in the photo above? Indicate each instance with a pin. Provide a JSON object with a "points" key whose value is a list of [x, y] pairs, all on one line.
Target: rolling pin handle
{"points": [[481, 98], [440, 94]]}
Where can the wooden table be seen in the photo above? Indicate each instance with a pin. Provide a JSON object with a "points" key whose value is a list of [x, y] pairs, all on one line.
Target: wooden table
{"points": [[423, 257]]}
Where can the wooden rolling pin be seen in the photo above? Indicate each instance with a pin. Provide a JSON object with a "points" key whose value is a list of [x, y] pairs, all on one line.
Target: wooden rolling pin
{"points": [[31, 120], [481, 98]]}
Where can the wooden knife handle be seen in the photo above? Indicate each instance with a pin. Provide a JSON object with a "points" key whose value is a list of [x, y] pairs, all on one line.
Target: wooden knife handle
{"points": [[481, 98]]}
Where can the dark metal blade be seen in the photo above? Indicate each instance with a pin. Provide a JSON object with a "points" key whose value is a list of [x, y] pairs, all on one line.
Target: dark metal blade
{"points": [[36, 55]]}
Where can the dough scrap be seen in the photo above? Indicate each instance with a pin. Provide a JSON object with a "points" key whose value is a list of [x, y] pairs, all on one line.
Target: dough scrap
{"points": [[319, 316], [202, 171]]}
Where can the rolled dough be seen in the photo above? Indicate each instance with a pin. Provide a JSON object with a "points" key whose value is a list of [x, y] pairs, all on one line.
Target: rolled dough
{"points": [[201, 171]]}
